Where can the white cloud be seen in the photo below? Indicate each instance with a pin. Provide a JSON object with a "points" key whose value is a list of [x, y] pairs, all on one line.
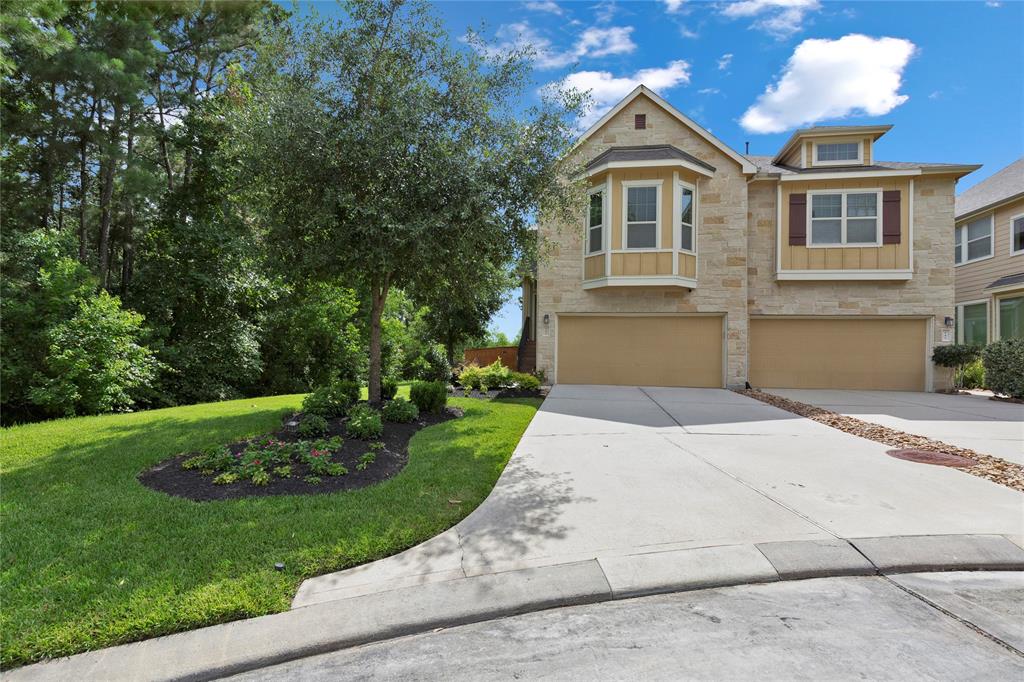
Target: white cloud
{"points": [[724, 61], [780, 18], [936, 94], [673, 6], [824, 79], [708, 91], [605, 11], [606, 90], [592, 42], [549, 6], [687, 33], [993, 3]]}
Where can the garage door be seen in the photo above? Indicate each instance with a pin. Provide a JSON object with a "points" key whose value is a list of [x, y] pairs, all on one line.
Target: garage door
{"points": [[807, 353], [668, 350]]}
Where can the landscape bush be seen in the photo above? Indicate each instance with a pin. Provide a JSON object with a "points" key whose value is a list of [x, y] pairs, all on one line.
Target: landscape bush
{"points": [[471, 377], [435, 365], [332, 400], [388, 389], [974, 375], [496, 375], [526, 382], [429, 396], [956, 357], [399, 410], [364, 422], [312, 424], [1004, 367]]}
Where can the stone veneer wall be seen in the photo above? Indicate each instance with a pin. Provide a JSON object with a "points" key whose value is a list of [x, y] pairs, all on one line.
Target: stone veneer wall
{"points": [[721, 244], [930, 292]]}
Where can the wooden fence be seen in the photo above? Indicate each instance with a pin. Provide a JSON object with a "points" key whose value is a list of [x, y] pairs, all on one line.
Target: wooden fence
{"points": [[509, 356]]}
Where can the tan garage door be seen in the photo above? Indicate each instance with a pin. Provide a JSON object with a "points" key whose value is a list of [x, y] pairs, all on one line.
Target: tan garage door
{"points": [[668, 350], [807, 353]]}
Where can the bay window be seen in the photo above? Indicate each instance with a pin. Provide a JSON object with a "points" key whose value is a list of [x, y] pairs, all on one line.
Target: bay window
{"points": [[643, 201], [687, 217], [595, 221]]}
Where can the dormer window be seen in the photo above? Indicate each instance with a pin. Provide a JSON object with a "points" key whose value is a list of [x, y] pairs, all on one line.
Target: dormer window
{"points": [[837, 153]]}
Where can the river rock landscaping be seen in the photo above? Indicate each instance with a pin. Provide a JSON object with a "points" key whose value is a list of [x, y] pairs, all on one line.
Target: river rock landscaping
{"points": [[286, 462]]}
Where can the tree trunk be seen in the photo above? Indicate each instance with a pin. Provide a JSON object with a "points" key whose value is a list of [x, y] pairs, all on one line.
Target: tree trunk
{"points": [[106, 194], [378, 295], [83, 199]]}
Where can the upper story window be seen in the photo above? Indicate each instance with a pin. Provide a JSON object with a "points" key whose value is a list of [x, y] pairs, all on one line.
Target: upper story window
{"points": [[1017, 234], [845, 218], [974, 240], [837, 153], [595, 221], [642, 204], [687, 216]]}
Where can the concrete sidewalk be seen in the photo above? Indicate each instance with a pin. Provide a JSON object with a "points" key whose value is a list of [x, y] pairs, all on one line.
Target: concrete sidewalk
{"points": [[974, 422], [615, 492]]}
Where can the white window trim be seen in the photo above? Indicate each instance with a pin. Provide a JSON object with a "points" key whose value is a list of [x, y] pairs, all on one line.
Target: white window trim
{"points": [[1015, 252], [677, 216], [841, 162], [960, 319], [626, 184], [995, 319], [843, 218], [604, 221], [991, 241]]}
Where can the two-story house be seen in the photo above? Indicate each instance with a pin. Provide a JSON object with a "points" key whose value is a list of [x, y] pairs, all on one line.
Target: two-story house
{"points": [[989, 254], [696, 265]]}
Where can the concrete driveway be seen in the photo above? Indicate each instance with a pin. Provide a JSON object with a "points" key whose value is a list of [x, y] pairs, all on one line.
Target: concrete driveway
{"points": [[612, 472], [968, 421]]}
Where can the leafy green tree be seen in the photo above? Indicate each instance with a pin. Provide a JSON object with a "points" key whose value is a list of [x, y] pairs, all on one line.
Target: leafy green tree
{"points": [[463, 305], [378, 153]]}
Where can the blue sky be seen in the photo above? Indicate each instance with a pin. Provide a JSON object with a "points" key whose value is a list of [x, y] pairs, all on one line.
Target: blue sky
{"points": [[948, 75]]}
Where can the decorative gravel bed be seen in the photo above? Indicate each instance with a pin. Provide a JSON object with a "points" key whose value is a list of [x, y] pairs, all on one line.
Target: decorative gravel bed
{"points": [[992, 468]]}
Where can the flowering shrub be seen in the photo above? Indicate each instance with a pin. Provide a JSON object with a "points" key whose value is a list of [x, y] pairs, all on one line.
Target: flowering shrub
{"points": [[400, 411], [262, 459], [364, 422]]}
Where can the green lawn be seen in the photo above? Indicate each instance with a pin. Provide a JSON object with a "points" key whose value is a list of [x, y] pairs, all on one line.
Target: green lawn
{"points": [[91, 558]]}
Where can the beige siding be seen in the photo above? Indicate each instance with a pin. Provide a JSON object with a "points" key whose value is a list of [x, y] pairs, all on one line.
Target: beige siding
{"points": [[972, 278], [648, 263], [885, 257], [834, 353], [593, 267], [688, 265], [663, 350]]}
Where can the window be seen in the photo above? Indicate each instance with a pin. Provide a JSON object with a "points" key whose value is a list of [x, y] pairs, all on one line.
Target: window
{"points": [[974, 240], [1017, 234], [1011, 317], [845, 218], [642, 216], [973, 324], [595, 221], [836, 153], [687, 218]]}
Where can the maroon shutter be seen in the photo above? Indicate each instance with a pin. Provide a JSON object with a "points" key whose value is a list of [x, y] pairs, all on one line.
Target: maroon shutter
{"points": [[797, 219], [891, 217]]}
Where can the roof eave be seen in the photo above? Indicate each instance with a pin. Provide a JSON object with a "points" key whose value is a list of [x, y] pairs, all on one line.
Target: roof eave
{"points": [[800, 133]]}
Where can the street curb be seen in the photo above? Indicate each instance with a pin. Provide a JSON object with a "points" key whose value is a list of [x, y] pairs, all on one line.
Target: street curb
{"points": [[239, 646]]}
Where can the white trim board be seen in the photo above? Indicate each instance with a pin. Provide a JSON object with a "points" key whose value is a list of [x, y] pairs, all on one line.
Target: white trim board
{"points": [[840, 275], [641, 281], [657, 163]]}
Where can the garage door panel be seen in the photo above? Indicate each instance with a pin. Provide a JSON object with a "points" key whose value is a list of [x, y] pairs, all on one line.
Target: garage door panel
{"points": [[865, 354], [664, 350]]}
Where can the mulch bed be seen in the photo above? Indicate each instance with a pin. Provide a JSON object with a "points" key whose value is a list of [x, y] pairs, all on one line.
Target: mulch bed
{"points": [[986, 466], [168, 476], [458, 392]]}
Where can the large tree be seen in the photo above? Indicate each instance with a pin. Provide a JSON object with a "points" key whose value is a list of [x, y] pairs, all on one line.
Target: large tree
{"points": [[381, 154]]}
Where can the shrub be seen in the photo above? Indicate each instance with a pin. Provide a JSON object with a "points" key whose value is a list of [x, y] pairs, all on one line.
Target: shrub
{"points": [[400, 411], [429, 396], [332, 400], [526, 382], [312, 424], [365, 460], [1004, 367], [364, 422], [471, 378], [388, 389], [496, 375], [974, 375], [435, 365], [955, 356]]}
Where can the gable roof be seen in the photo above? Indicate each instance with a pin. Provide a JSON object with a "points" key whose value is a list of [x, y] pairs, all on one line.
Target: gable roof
{"points": [[1005, 185], [641, 89], [818, 131]]}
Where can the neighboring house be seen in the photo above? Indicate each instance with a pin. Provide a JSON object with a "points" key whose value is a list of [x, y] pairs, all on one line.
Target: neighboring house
{"points": [[990, 258], [699, 266]]}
